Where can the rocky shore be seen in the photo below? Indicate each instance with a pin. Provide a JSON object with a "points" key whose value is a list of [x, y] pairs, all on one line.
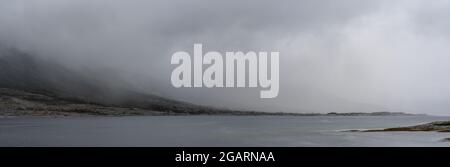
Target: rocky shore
{"points": [[440, 126]]}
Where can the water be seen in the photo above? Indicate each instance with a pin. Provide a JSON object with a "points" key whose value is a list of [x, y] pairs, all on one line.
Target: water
{"points": [[216, 131]]}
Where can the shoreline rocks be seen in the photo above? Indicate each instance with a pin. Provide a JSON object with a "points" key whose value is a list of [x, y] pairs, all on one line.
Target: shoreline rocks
{"points": [[440, 126]]}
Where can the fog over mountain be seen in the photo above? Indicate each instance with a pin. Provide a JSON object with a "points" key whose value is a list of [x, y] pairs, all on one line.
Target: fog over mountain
{"points": [[335, 56]]}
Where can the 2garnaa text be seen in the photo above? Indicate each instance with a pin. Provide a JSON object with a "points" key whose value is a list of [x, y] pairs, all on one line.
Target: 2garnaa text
{"points": [[204, 158]]}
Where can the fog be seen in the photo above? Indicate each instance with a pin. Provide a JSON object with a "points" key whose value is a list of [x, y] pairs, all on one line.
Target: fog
{"points": [[335, 56]]}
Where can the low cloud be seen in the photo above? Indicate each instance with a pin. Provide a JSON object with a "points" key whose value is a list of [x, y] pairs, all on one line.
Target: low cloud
{"points": [[345, 56]]}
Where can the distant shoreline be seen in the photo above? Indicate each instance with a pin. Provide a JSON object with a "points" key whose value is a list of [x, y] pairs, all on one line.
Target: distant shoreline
{"points": [[15, 102], [232, 113]]}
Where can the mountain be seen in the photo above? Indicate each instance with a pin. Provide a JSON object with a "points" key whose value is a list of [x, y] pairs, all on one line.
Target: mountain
{"points": [[43, 84], [33, 85]]}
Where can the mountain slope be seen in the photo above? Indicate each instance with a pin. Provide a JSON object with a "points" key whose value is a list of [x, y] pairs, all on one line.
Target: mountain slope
{"points": [[24, 77]]}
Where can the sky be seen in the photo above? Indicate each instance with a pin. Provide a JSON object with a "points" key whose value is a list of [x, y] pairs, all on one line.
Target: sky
{"points": [[335, 56]]}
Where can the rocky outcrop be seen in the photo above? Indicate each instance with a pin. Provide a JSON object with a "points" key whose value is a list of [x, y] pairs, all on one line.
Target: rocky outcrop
{"points": [[441, 126]]}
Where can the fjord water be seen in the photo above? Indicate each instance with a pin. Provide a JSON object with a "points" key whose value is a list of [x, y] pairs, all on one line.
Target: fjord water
{"points": [[216, 131]]}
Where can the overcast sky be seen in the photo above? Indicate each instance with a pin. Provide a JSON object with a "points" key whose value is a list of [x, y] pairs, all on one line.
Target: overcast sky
{"points": [[335, 56]]}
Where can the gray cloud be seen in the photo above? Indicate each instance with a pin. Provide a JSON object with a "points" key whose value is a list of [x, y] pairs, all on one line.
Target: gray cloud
{"points": [[345, 56]]}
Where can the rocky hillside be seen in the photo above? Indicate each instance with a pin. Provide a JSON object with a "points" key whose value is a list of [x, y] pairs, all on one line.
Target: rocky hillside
{"points": [[30, 85], [21, 103]]}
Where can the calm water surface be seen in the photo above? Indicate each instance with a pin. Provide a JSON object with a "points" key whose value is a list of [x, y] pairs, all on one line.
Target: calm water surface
{"points": [[215, 131]]}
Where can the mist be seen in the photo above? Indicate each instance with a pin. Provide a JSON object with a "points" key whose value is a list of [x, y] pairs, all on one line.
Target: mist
{"points": [[335, 56]]}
